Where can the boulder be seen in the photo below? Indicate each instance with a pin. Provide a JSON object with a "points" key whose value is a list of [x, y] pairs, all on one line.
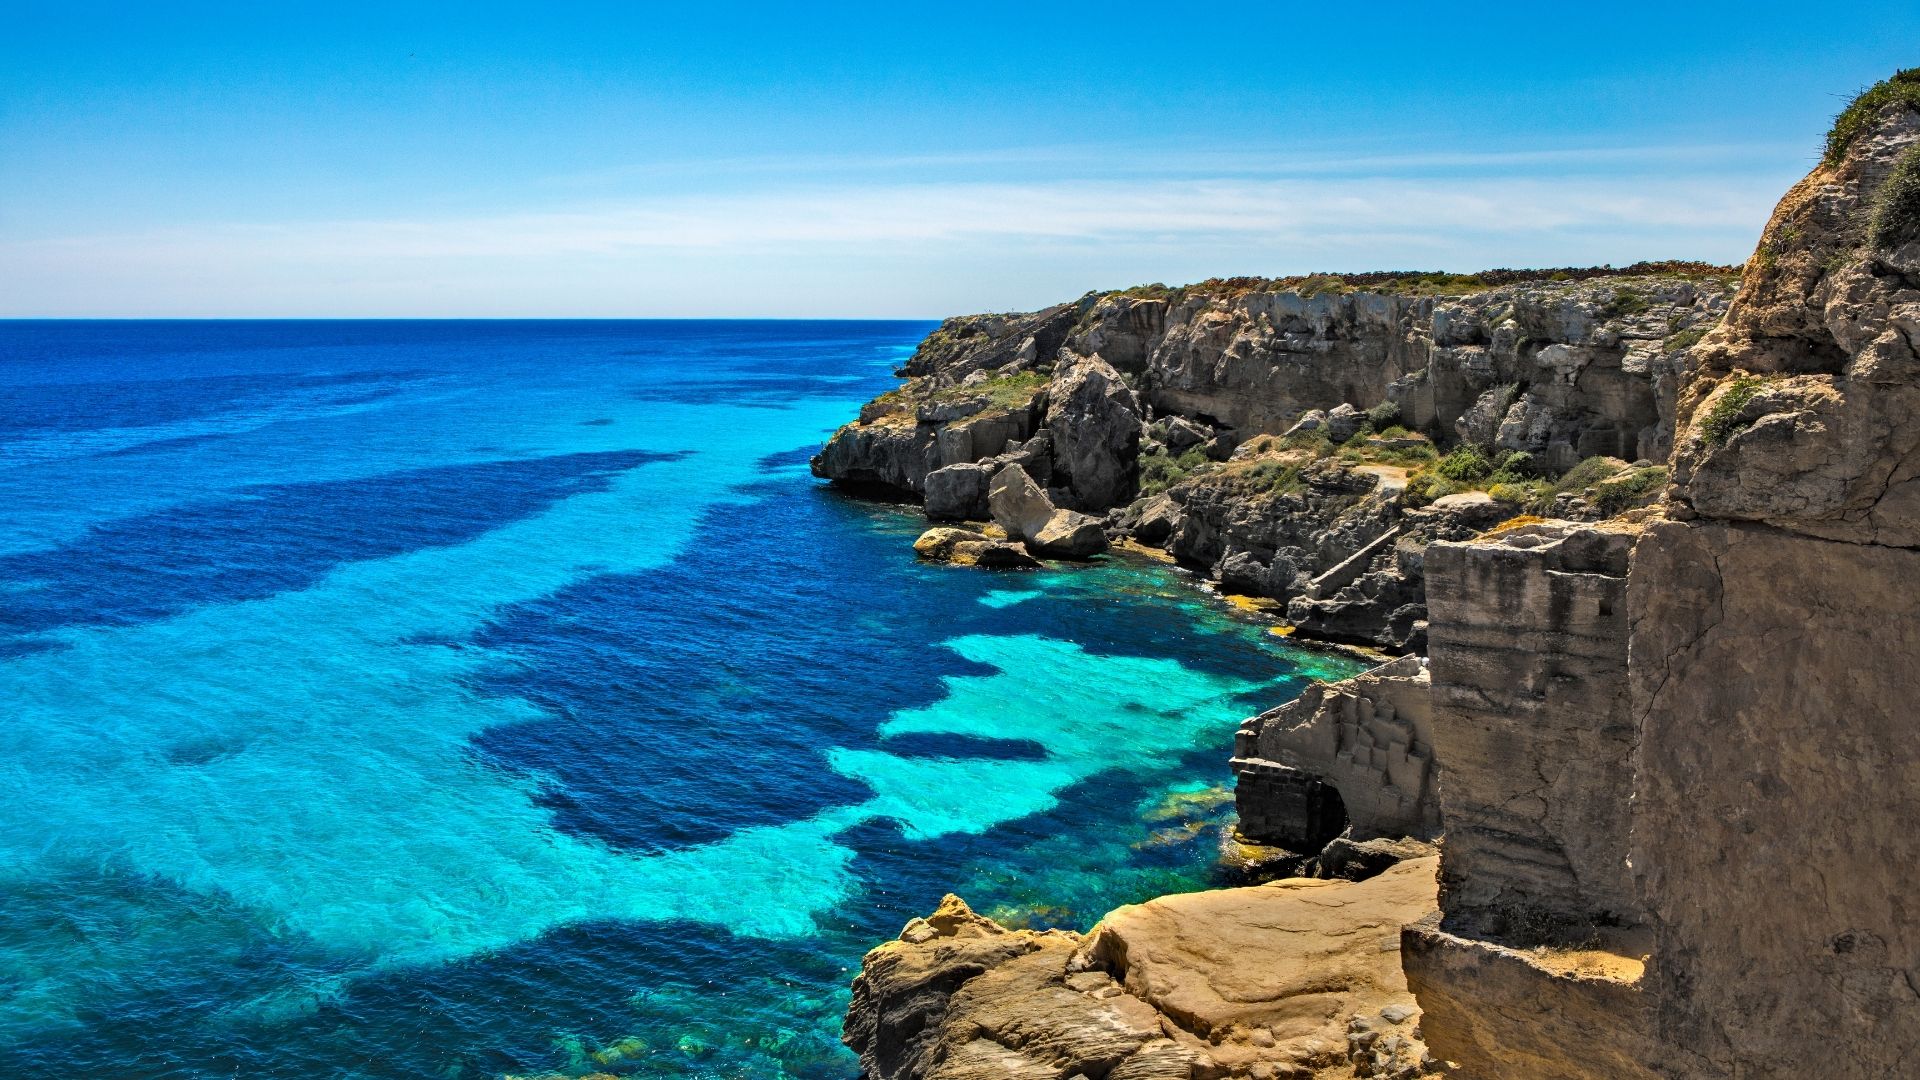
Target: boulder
{"points": [[1344, 422], [1017, 503], [1158, 991], [1310, 421], [1096, 426], [958, 492], [938, 543], [1069, 535], [1183, 433], [993, 555], [1153, 520]]}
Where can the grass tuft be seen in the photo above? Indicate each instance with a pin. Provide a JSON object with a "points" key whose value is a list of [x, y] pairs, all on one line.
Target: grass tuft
{"points": [[1723, 420], [1856, 118]]}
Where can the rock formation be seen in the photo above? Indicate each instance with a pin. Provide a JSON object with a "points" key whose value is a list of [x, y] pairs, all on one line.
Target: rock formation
{"points": [[1352, 757], [1671, 752], [1089, 397], [1724, 800], [1295, 978]]}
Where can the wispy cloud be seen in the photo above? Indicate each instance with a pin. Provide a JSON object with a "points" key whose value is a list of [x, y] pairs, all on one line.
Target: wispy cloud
{"points": [[789, 232]]}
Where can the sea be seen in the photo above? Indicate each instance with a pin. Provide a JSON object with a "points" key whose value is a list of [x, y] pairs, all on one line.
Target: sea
{"points": [[492, 699]]}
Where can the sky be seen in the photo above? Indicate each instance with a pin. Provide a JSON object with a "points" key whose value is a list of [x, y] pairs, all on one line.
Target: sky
{"points": [[895, 160]]}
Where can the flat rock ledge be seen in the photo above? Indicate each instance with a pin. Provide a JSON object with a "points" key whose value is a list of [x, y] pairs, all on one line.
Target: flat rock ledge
{"points": [[1292, 979]]}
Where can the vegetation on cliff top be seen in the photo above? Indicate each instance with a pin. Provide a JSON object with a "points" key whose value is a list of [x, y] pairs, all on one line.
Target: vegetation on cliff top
{"points": [[1896, 211], [1423, 282], [1903, 87]]}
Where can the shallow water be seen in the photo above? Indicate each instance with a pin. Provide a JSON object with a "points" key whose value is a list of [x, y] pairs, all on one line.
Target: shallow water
{"points": [[482, 699]]}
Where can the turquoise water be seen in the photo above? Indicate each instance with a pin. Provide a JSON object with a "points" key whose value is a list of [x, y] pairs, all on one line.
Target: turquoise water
{"points": [[486, 699]]}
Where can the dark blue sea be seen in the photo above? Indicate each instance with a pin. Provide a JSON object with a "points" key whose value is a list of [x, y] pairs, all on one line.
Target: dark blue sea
{"points": [[485, 699]]}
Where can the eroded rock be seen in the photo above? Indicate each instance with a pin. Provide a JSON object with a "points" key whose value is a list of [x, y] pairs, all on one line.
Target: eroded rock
{"points": [[1157, 990]]}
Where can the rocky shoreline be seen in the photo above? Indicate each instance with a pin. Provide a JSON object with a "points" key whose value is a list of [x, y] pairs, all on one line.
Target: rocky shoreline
{"points": [[1299, 441], [1645, 542]]}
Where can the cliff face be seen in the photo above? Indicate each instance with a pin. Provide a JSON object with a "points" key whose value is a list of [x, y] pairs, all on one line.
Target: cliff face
{"points": [[1671, 752], [1758, 791], [1178, 395]]}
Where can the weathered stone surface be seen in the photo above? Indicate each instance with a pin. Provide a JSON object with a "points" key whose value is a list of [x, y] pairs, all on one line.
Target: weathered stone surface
{"points": [[1826, 331], [1501, 1014], [958, 492], [1777, 802], [1532, 730], [1096, 427], [1343, 422], [1369, 738], [1157, 990], [992, 555], [1069, 535], [1018, 504], [1772, 781]]}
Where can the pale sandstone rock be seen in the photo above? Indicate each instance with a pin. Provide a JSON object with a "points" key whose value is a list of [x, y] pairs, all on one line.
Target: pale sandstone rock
{"points": [[1158, 991], [1018, 504], [1069, 535], [1370, 738], [938, 543]]}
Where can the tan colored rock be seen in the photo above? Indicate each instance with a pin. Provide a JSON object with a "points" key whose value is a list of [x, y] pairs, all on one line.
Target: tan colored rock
{"points": [[938, 543], [1297, 978], [1069, 535], [1369, 738], [1018, 504], [1096, 426]]}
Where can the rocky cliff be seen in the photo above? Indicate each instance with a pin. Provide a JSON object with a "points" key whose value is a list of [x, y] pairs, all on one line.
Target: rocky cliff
{"points": [[1732, 828], [1282, 436], [1670, 751]]}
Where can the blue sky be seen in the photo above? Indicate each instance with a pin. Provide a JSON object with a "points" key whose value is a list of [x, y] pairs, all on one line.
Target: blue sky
{"points": [[880, 160]]}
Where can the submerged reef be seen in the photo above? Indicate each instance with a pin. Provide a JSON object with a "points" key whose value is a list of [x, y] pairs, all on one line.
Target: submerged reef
{"points": [[1648, 538]]}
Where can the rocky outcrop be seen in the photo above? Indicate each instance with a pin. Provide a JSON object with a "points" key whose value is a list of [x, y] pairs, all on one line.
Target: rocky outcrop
{"points": [[1706, 752], [1671, 753], [1157, 991], [1532, 727], [1082, 395], [1025, 513], [1096, 428], [1352, 757]]}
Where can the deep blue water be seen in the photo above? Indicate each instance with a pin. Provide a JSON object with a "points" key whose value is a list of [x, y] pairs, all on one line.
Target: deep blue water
{"points": [[481, 699]]}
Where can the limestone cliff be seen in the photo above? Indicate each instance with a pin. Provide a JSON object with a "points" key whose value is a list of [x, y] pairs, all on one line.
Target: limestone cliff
{"points": [[1731, 817], [1223, 421], [1670, 751]]}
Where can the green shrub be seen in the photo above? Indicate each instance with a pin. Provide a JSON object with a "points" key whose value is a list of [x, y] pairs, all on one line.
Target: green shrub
{"points": [[1896, 211], [1586, 474], [1466, 465], [1527, 493], [1629, 489], [1318, 442], [1687, 338], [1516, 468], [1428, 486], [1277, 477], [1384, 415], [1723, 420], [1903, 87], [1626, 302], [1160, 470]]}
